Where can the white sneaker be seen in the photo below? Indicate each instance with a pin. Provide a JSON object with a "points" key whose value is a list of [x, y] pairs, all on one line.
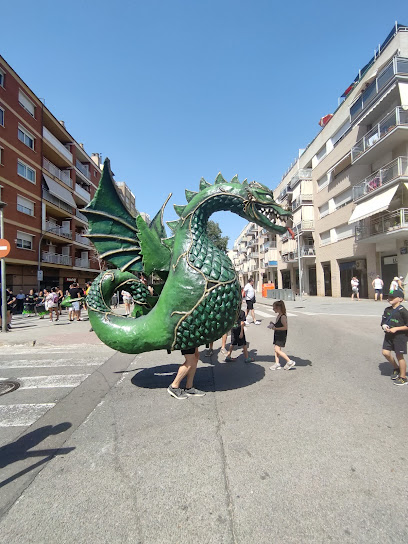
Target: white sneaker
{"points": [[224, 351], [290, 364], [257, 322], [247, 323], [276, 366]]}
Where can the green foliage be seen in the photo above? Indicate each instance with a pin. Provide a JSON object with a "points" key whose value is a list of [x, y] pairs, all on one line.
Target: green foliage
{"points": [[215, 235]]}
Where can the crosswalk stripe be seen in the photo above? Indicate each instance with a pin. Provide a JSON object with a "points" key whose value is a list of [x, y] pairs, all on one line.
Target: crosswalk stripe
{"points": [[47, 363], [22, 415], [45, 382], [272, 314]]}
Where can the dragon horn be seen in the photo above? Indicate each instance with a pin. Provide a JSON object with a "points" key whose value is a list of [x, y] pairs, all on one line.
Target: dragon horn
{"points": [[190, 195], [245, 183], [235, 179], [219, 179], [168, 242], [179, 209], [204, 184]]}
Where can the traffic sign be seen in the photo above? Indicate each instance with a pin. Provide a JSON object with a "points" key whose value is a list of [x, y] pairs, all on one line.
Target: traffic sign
{"points": [[4, 248]]}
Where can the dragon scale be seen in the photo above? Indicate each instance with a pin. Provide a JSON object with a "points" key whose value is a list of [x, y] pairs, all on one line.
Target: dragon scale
{"points": [[200, 295]]}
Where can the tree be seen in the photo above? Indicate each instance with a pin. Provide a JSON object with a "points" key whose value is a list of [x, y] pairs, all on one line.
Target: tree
{"points": [[214, 234]]}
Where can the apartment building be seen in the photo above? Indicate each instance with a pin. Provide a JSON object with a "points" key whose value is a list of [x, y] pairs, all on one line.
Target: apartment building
{"points": [[348, 188], [127, 197], [46, 177]]}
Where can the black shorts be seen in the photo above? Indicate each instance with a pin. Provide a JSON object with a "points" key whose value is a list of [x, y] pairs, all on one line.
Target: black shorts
{"points": [[395, 342], [379, 291], [280, 340], [250, 304], [190, 351], [236, 340]]}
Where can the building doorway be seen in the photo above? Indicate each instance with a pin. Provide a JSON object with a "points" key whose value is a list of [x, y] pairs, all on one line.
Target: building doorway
{"points": [[286, 284], [348, 270], [327, 280], [312, 281], [389, 269]]}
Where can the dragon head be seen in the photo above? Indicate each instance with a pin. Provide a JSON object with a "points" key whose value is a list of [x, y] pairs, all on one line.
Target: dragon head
{"points": [[261, 208]]}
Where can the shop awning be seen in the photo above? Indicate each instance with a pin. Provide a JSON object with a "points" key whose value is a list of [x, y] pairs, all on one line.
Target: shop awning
{"points": [[59, 191], [375, 204]]}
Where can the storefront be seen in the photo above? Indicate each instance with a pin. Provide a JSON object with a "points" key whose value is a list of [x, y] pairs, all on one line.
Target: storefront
{"points": [[350, 269]]}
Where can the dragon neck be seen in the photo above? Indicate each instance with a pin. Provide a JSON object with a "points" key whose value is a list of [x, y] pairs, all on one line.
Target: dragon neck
{"points": [[215, 203]]}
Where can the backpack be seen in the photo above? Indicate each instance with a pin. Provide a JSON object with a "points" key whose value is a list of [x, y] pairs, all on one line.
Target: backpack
{"points": [[55, 298]]}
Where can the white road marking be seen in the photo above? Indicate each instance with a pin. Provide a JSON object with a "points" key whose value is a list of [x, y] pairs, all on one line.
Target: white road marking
{"points": [[272, 314], [22, 415], [47, 363], [44, 382]]}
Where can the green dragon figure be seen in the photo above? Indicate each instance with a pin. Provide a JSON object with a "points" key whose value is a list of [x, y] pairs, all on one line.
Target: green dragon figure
{"points": [[200, 295]]}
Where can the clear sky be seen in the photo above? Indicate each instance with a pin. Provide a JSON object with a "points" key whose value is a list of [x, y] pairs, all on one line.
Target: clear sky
{"points": [[175, 90]]}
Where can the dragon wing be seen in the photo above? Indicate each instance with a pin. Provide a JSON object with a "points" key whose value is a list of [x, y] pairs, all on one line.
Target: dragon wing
{"points": [[115, 235]]}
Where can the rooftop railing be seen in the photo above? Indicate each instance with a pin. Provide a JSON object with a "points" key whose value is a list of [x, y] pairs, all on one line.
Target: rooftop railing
{"points": [[397, 117], [63, 175], [385, 224], [389, 172]]}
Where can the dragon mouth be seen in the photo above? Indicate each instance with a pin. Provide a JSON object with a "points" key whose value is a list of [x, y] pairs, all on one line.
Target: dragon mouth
{"points": [[268, 214]]}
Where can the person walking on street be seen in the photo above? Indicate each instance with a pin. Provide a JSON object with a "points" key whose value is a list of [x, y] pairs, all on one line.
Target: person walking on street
{"points": [[127, 300], [394, 285], [394, 323], [378, 285], [20, 299], [76, 293], [281, 333], [238, 339], [249, 294], [186, 370], [354, 288]]}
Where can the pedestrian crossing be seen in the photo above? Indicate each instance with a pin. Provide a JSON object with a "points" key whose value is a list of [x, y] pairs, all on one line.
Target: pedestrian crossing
{"points": [[46, 374]]}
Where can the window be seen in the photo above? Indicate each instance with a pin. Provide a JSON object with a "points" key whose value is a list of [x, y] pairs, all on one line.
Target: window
{"points": [[344, 231], [24, 241], [322, 182], [343, 198], [24, 205], [25, 171], [1, 155], [2, 74], [2, 117], [325, 238], [25, 137], [26, 103], [324, 210]]}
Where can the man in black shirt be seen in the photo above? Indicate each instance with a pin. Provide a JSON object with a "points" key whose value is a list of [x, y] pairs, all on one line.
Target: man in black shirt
{"points": [[394, 323]]}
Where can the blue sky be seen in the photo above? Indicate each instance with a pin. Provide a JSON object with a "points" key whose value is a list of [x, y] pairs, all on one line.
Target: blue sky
{"points": [[175, 90]]}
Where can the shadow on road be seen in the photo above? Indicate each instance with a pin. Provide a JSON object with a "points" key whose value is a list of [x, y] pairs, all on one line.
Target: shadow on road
{"points": [[221, 377], [271, 359], [385, 368], [19, 449]]}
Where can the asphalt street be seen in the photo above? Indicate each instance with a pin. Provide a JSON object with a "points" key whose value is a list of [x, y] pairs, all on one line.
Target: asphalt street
{"points": [[315, 454]]}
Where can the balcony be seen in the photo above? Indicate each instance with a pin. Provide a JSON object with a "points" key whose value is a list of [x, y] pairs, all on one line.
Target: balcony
{"points": [[57, 144], [81, 263], [82, 239], [253, 255], [390, 224], [385, 131], [84, 169], [302, 173], [58, 230], [302, 200], [293, 256], [82, 193], [81, 216], [63, 175], [57, 202], [398, 65], [388, 173], [304, 226], [284, 193], [56, 258]]}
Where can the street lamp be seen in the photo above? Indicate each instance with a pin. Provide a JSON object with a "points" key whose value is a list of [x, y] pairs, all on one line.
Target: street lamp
{"points": [[3, 274], [300, 262]]}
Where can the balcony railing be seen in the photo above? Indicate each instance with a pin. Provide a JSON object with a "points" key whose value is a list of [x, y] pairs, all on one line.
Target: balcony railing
{"points": [[397, 117], [304, 226], [84, 169], [57, 144], [385, 224], [81, 216], [56, 258], [81, 263], [305, 251], [57, 202], [389, 172], [62, 175], [82, 239], [58, 229], [253, 255], [81, 192], [302, 199], [398, 65], [302, 173]]}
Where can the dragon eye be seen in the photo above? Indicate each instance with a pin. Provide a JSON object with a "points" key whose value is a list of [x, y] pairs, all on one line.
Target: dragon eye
{"points": [[268, 197]]}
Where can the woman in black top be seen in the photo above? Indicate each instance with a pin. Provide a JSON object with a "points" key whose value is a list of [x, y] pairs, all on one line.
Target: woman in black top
{"points": [[281, 332]]}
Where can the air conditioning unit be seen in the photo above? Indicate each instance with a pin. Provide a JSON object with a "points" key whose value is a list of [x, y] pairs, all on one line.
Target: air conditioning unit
{"points": [[360, 264], [48, 242]]}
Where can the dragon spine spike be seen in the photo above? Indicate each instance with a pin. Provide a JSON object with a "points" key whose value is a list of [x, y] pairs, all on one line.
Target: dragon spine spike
{"points": [[168, 242], [235, 179], [219, 179], [204, 184], [245, 182], [190, 195], [179, 209], [173, 224]]}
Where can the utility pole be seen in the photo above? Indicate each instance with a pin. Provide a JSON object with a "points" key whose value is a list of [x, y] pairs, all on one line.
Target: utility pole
{"points": [[299, 262], [3, 274]]}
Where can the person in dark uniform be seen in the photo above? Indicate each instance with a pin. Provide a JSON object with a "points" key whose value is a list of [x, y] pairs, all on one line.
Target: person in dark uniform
{"points": [[394, 323]]}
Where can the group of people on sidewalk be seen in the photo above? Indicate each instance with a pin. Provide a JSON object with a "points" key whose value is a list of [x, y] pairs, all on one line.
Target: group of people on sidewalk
{"points": [[378, 285]]}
